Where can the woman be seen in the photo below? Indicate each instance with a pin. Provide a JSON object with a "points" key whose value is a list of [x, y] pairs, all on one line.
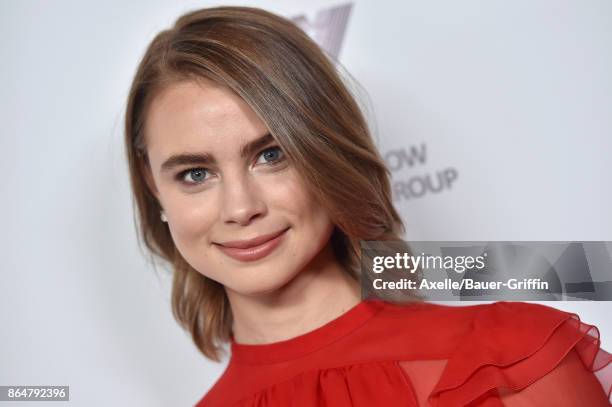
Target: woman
{"points": [[255, 176]]}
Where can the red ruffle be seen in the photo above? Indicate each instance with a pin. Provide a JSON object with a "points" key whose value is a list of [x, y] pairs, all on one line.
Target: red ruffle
{"points": [[512, 345], [361, 385], [496, 350]]}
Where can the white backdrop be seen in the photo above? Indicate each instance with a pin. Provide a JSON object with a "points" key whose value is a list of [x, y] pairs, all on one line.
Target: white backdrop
{"points": [[513, 98]]}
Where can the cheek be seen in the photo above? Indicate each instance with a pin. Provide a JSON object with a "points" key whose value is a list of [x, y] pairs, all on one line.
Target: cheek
{"points": [[312, 219], [318, 226], [192, 220]]}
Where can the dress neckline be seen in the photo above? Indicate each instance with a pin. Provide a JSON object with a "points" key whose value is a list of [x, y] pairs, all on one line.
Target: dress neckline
{"points": [[310, 341]]}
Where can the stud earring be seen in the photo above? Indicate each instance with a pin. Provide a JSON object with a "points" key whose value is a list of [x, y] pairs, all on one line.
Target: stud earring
{"points": [[163, 216]]}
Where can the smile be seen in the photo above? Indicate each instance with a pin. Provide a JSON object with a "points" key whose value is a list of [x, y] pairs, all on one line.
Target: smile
{"points": [[254, 252]]}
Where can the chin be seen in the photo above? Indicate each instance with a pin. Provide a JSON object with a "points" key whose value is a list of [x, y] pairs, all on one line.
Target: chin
{"points": [[260, 283]]}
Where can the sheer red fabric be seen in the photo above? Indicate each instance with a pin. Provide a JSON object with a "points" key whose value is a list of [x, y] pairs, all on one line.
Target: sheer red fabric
{"points": [[424, 354]]}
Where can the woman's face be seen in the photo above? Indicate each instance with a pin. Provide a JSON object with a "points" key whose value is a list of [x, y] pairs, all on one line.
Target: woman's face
{"points": [[219, 184]]}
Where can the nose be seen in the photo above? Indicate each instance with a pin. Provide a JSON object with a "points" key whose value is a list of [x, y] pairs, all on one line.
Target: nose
{"points": [[242, 199]]}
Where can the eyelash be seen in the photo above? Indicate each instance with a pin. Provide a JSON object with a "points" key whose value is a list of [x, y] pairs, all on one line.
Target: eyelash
{"points": [[181, 175]]}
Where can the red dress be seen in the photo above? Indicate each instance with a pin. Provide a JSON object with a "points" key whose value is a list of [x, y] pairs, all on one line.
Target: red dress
{"points": [[424, 354]]}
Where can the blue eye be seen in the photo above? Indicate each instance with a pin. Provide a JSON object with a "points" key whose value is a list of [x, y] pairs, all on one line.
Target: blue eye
{"points": [[198, 175], [272, 154]]}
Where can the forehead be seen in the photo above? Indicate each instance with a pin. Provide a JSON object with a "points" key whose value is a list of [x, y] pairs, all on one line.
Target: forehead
{"points": [[187, 112]]}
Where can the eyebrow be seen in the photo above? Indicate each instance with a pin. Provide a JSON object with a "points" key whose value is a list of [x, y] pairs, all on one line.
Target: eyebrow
{"points": [[246, 150]]}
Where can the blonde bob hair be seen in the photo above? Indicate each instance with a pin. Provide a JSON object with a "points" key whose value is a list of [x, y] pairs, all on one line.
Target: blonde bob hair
{"points": [[295, 90]]}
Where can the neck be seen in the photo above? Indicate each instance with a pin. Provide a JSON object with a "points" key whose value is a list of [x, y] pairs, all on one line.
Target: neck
{"points": [[318, 294]]}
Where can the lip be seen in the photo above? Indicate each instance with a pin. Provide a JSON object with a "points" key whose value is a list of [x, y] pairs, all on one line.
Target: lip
{"points": [[252, 249]]}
